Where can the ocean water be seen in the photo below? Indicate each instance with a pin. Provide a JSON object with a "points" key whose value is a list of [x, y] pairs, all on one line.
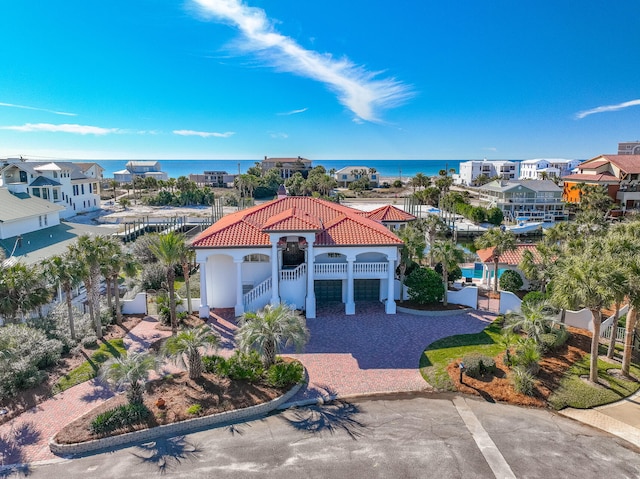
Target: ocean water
{"points": [[386, 168]]}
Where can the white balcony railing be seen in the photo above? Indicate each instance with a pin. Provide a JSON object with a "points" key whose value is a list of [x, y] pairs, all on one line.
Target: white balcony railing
{"points": [[330, 269], [293, 274], [370, 268], [251, 296]]}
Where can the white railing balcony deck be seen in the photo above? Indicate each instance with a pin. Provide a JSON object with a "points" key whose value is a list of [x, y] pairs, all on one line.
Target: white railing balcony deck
{"points": [[371, 270], [330, 270], [293, 274]]}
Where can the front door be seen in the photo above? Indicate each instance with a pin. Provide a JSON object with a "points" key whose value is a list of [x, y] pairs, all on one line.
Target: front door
{"points": [[292, 256]]}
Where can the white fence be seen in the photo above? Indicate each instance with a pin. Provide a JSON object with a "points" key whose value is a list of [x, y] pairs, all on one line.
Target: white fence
{"points": [[467, 296]]}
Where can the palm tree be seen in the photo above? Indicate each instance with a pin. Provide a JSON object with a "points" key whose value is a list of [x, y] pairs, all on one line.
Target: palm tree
{"points": [[22, 290], [113, 184], [501, 242], [270, 329], [90, 253], [190, 343], [130, 371], [65, 273], [534, 318], [169, 249], [449, 255], [433, 226], [583, 280], [186, 261], [117, 262]]}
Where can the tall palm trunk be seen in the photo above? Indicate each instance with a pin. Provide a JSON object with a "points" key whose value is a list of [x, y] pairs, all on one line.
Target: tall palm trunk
{"points": [[195, 365], [596, 316], [185, 273], [445, 277], [117, 301], [632, 318], [72, 328], [614, 332], [495, 274], [171, 276]]}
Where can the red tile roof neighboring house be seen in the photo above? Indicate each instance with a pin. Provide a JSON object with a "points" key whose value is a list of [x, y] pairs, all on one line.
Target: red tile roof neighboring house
{"points": [[511, 258], [389, 213], [627, 163], [601, 177], [334, 225]]}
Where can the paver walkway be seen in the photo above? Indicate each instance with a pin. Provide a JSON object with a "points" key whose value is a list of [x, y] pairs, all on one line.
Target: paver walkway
{"points": [[366, 353], [25, 439]]}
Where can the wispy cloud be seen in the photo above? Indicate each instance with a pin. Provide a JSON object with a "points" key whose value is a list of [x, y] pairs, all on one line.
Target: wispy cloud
{"points": [[64, 128], [279, 136], [601, 109], [490, 148], [204, 134], [293, 112], [357, 89], [25, 107]]}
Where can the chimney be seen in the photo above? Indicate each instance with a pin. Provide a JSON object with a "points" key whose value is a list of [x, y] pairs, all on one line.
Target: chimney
{"points": [[282, 192]]}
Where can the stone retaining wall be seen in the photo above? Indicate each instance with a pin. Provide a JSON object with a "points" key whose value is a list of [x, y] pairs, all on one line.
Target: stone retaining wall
{"points": [[170, 430]]}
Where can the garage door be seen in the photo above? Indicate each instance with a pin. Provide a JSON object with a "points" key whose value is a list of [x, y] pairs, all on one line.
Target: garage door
{"points": [[329, 291], [366, 289]]}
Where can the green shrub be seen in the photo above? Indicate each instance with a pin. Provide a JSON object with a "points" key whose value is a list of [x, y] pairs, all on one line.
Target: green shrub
{"points": [[510, 280], [123, 416], [425, 286], [194, 409], [477, 365], [562, 336], [528, 356], [548, 341], [283, 374], [247, 366], [534, 297], [554, 339], [30, 351], [454, 275], [216, 365], [522, 380]]}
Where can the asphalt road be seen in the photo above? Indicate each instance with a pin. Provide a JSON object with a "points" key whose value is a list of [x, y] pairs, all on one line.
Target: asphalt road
{"points": [[402, 437]]}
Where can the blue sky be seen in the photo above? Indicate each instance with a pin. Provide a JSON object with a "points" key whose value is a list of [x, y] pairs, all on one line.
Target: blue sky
{"points": [[375, 79]]}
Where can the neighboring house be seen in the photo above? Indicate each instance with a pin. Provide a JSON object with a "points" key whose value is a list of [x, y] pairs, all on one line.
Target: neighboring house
{"points": [[347, 175], [539, 200], [508, 260], [301, 251], [546, 168], [62, 183], [218, 179], [287, 166], [629, 148], [143, 169], [21, 213], [92, 170], [619, 175], [390, 216], [470, 170]]}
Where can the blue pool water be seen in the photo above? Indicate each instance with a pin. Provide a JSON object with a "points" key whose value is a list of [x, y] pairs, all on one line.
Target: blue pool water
{"points": [[477, 273]]}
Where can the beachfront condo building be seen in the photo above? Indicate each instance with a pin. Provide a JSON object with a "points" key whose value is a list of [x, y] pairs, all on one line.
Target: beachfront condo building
{"points": [[471, 170]]}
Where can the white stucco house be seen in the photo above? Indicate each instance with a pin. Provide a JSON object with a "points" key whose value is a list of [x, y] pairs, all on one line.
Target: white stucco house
{"points": [[298, 250], [142, 169], [546, 168], [347, 175], [59, 182], [21, 214]]}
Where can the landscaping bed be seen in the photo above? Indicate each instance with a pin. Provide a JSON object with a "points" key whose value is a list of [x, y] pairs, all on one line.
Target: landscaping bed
{"points": [[561, 381], [29, 398], [431, 306], [183, 399]]}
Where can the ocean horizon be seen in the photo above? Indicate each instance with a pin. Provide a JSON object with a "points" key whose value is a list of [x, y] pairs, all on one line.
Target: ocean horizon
{"points": [[385, 168]]}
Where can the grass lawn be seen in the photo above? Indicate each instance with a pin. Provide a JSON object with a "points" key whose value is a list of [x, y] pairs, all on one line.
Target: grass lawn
{"points": [[438, 355], [578, 393], [89, 369]]}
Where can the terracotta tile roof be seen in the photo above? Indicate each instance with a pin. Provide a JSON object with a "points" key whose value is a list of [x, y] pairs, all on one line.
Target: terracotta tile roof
{"points": [[601, 177], [336, 225], [627, 163], [512, 258], [389, 213]]}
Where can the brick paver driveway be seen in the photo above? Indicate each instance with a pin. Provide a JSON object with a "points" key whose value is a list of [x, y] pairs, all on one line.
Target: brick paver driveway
{"points": [[372, 352]]}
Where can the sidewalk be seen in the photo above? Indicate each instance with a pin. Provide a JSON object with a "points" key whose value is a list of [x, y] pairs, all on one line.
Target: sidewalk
{"points": [[25, 439], [622, 418]]}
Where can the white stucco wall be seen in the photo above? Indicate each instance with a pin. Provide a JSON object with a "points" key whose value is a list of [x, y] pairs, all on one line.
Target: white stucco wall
{"points": [[509, 302], [221, 281], [27, 225], [255, 273], [467, 296], [579, 319], [137, 305]]}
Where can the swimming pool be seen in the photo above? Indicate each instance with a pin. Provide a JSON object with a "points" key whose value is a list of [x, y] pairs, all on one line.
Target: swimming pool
{"points": [[477, 273]]}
